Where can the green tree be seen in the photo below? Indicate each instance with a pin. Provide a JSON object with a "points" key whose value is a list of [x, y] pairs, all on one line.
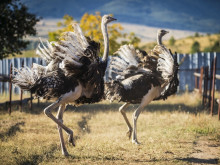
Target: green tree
{"points": [[172, 41], [91, 26], [15, 23], [196, 34], [216, 47], [195, 47], [207, 49], [131, 38]]}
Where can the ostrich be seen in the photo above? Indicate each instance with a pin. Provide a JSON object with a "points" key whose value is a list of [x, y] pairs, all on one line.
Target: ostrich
{"points": [[74, 74], [140, 80]]}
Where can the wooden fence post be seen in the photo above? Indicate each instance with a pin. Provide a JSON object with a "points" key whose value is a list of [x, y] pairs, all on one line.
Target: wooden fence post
{"points": [[21, 95], [205, 86], [219, 108], [210, 84], [31, 97], [10, 89], [38, 99], [213, 85], [196, 79], [200, 80]]}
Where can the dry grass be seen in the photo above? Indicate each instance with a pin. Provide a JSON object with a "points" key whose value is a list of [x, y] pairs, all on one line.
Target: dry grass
{"points": [[5, 97], [184, 45], [170, 133]]}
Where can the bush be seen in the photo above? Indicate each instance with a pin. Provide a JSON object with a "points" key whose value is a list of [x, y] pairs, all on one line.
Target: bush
{"points": [[195, 47]]}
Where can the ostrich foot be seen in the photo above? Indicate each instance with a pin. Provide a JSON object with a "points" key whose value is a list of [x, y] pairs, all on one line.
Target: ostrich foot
{"points": [[136, 142], [71, 140], [65, 153], [129, 134]]}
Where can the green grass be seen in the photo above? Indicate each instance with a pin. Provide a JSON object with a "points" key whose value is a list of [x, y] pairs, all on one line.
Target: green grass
{"points": [[170, 133]]}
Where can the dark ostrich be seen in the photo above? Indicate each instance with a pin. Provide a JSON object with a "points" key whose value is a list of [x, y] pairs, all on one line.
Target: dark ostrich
{"points": [[140, 78], [74, 74]]}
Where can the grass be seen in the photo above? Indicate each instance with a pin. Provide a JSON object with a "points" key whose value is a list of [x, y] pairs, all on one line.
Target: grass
{"points": [[176, 131], [184, 45]]}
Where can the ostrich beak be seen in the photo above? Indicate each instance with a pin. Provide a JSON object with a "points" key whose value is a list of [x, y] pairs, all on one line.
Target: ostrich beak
{"points": [[113, 19]]}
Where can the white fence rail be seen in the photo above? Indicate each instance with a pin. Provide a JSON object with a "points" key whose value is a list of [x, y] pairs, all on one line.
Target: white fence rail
{"points": [[188, 64]]}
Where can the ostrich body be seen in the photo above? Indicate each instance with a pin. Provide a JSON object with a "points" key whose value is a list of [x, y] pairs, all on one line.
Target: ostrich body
{"points": [[74, 74], [141, 78]]}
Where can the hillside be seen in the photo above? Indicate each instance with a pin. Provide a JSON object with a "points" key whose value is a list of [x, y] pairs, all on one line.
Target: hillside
{"points": [[184, 45], [197, 15]]}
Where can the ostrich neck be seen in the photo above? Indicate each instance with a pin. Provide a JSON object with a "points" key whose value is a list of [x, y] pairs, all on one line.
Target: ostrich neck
{"points": [[159, 39], [106, 42]]}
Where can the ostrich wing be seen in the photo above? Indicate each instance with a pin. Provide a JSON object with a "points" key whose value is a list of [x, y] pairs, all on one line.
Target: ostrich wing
{"points": [[73, 54], [127, 63], [165, 63]]}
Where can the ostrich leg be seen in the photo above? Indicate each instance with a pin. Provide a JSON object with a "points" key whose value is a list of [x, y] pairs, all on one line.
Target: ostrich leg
{"points": [[152, 93], [135, 117], [60, 118], [66, 98], [47, 112], [122, 110]]}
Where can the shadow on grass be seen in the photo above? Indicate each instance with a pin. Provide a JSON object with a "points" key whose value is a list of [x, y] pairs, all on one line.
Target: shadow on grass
{"points": [[199, 161], [83, 124], [34, 159], [11, 131], [102, 107]]}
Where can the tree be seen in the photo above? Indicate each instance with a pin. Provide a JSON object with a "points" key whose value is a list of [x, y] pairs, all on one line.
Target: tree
{"points": [[197, 34], [172, 41], [195, 47], [15, 23], [216, 47], [91, 27]]}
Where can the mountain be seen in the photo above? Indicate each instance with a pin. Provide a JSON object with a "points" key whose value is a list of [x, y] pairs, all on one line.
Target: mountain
{"points": [[193, 15]]}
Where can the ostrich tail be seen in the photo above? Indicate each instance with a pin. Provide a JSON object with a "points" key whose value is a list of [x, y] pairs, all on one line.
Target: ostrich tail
{"points": [[25, 78], [112, 91]]}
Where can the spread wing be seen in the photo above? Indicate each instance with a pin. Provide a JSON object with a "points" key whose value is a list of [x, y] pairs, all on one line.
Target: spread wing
{"points": [[74, 53], [127, 63]]}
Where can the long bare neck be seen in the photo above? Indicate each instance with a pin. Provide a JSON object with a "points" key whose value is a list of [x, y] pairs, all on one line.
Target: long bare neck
{"points": [[106, 42], [159, 39]]}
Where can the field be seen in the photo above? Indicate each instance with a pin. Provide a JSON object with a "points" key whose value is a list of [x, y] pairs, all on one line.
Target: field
{"points": [[183, 45], [176, 131]]}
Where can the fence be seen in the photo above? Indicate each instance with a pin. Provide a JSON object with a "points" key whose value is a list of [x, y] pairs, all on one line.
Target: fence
{"points": [[207, 79], [17, 63], [189, 63]]}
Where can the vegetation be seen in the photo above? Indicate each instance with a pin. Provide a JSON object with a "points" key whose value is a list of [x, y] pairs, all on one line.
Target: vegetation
{"points": [[90, 25], [204, 43], [195, 47], [196, 34], [172, 41], [15, 23], [172, 132]]}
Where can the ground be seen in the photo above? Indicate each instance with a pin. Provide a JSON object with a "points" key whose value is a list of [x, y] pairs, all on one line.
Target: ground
{"points": [[175, 131]]}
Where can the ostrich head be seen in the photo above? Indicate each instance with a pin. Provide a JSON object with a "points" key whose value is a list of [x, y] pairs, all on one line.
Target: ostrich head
{"points": [[160, 34], [106, 19]]}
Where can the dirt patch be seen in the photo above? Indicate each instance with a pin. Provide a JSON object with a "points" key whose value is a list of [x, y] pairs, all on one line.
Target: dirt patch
{"points": [[206, 151]]}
